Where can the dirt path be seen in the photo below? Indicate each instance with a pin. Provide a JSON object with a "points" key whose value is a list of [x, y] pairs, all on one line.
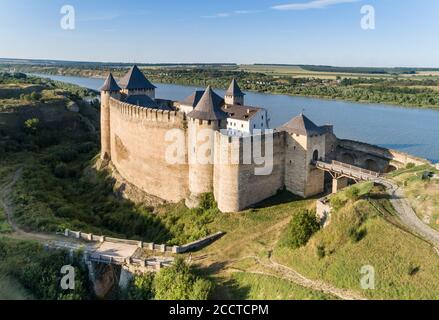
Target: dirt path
{"points": [[55, 240], [407, 214], [19, 233], [270, 266], [286, 273]]}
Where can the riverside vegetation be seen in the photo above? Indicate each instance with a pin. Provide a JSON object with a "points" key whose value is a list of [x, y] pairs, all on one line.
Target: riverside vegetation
{"points": [[401, 86], [60, 188]]}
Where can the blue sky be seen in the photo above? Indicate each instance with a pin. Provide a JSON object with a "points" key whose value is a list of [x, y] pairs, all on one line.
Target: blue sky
{"points": [[240, 31]]}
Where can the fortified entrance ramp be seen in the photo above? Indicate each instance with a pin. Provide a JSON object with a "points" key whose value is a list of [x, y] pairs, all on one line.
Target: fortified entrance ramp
{"points": [[342, 172]]}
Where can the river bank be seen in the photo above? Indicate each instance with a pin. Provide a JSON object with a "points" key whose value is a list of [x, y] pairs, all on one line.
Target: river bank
{"points": [[413, 131], [402, 92]]}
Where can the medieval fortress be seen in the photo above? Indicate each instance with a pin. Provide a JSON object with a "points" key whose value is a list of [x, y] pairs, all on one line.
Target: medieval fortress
{"points": [[155, 145]]}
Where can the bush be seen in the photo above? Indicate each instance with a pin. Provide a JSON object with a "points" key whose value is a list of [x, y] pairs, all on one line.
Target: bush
{"points": [[67, 155], [336, 203], [86, 147], [61, 171], [141, 287], [356, 235], [207, 201], [178, 282], [38, 270], [301, 228], [353, 193], [31, 125], [412, 270], [321, 251], [46, 139], [410, 165]]}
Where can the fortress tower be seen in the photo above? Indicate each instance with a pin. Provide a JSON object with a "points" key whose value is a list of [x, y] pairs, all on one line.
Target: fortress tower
{"points": [[109, 89], [135, 83], [206, 119], [305, 143], [234, 95], [135, 129]]}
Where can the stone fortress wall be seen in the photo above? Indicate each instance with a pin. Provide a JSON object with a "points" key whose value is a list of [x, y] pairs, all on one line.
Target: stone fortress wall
{"points": [[136, 140], [138, 149]]}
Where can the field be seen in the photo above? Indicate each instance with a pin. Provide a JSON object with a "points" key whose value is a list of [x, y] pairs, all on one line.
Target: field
{"points": [[299, 72]]}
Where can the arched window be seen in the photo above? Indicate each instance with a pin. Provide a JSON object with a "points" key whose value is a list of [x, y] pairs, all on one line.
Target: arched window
{"points": [[315, 155]]}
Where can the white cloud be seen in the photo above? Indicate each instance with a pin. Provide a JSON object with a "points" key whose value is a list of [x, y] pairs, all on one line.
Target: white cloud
{"points": [[316, 4], [232, 13]]}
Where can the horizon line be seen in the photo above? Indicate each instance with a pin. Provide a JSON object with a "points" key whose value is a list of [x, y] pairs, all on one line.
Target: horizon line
{"points": [[214, 63]]}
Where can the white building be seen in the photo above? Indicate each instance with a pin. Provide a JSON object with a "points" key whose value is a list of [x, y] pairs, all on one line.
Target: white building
{"points": [[242, 120]]}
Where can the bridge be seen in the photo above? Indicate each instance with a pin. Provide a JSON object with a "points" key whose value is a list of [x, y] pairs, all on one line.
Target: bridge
{"points": [[342, 172]]}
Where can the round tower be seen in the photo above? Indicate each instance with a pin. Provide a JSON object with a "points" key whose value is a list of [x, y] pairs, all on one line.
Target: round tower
{"points": [[108, 90], [203, 122], [234, 95]]}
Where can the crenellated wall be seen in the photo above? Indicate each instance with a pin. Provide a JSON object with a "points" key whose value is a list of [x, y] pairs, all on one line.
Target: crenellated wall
{"points": [[141, 138], [139, 148]]}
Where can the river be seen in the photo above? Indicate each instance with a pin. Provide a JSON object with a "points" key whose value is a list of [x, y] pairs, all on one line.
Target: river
{"points": [[415, 131]]}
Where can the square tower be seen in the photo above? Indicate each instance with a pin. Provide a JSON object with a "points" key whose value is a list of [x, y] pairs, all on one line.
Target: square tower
{"points": [[305, 143]]}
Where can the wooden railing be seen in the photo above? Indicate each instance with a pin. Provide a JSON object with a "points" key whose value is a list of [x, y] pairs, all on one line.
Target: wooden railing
{"points": [[348, 170]]}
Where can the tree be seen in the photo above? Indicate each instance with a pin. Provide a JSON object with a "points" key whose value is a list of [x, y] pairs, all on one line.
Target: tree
{"points": [[32, 125], [141, 287], [301, 228], [179, 283]]}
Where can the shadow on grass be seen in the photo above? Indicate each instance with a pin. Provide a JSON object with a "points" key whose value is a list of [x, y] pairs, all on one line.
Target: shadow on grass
{"points": [[231, 290], [281, 197]]}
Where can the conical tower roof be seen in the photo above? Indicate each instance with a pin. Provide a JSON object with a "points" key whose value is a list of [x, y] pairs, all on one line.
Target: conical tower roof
{"points": [[302, 125], [135, 79], [234, 89], [209, 107], [110, 84]]}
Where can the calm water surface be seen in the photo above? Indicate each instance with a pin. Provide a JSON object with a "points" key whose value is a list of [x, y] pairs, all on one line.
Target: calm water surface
{"points": [[414, 131]]}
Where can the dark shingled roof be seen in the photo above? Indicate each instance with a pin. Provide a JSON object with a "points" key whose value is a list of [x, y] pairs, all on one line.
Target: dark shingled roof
{"points": [[110, 84], [135, 79], [234, 90], [193, 99], [209, 107], [303, 126], [241, 112], [142, 100]]}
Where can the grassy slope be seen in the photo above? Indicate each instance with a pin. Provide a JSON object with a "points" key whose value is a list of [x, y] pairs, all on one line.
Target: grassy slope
{"points": [[405, 266], [423, 194], [247, 286], [10, 289], [252, 233], [6, 168]]}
